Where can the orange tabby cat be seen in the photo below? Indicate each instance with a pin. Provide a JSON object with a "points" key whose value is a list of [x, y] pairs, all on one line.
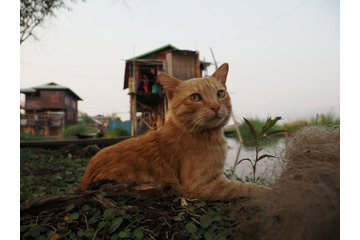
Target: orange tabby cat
{"points": [[188, 152]]}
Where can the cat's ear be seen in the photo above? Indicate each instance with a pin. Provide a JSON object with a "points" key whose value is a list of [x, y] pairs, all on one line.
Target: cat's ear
{"points": [[221, 73], [170, 83]]}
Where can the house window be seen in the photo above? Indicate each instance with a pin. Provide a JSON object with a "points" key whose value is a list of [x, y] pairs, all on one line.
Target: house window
{"points": [[67, 101], [73, 104]]}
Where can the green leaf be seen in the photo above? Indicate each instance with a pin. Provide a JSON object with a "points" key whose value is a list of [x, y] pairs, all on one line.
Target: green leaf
{"points": [[244, 159], [269, 124], [93, 220], [96, 212], [191, 228], [102, 224], [264, 156], [80, 233], [251, 128], [86, 207], [89, 233], [208, 236], [122, 235], [109, 214], [205, 221], [71, 235], [74, 216], [69, 208], [217, 218], [138, 234], [115, 224], [178, 218], [114, 237], [34, 231]]}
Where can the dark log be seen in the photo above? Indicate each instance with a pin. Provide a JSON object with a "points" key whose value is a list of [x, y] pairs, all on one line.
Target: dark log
{"points": [[97, 194]]}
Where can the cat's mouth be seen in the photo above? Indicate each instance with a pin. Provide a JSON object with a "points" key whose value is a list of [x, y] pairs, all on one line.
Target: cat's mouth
{"points": [[216, 119], [219, 115]]}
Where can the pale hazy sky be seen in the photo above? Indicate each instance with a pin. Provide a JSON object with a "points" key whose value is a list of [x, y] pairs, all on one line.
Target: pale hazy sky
{"points": [[284, 55]]}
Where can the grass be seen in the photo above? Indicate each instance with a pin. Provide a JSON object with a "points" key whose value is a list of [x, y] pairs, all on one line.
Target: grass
{"points": [[327, 120]]}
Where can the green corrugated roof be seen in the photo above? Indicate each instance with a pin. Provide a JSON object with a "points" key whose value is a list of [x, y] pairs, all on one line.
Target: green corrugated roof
{"points": [[27, 90], [49, 86], [153, 51]]}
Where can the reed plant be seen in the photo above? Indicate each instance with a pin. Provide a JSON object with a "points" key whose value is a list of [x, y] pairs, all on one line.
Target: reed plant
{"points": [[258, 136]]}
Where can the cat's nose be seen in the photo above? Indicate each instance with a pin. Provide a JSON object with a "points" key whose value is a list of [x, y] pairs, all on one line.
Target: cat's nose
{"points": [[215, 108]]}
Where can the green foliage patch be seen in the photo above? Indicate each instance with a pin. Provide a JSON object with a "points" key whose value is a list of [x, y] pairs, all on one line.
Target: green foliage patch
{"points": [[30, 137], [136, 219], [48, 172], [117, 132], [79, 128]]}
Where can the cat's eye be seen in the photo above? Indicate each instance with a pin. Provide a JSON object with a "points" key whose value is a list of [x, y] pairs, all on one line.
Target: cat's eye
{"points": [[195, 97], [220, 94]]}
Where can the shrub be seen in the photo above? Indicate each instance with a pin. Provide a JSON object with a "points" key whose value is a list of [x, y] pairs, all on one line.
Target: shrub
{"points": [[117, 132], [79, 128]]}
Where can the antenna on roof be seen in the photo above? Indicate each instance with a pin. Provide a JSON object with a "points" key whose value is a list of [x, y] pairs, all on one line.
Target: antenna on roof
{"points": [[213, 58]]}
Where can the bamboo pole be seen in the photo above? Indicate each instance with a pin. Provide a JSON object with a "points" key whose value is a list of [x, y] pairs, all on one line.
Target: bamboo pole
{"points": [[240, 140]]}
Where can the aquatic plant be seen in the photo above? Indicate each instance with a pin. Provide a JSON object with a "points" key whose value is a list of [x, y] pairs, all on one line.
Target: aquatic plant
{"points": [[257, 138]]}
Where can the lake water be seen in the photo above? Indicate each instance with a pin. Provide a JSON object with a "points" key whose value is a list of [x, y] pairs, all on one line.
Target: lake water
{"points": [[267, 168]]}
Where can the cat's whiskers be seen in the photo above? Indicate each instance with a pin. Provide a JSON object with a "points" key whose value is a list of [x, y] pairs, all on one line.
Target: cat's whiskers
{"points": [[194, 124]]}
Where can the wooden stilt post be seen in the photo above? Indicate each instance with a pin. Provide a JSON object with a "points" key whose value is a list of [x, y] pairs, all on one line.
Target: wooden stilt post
{"points": [[133, 113], [133, 103]]}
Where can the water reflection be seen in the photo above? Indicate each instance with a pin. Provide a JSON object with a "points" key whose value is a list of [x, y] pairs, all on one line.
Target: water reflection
{"points": [[266, 168]]}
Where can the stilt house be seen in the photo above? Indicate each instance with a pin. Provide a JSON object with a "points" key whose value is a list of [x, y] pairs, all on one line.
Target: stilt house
{"points": [[148, 102], [48, 108]]}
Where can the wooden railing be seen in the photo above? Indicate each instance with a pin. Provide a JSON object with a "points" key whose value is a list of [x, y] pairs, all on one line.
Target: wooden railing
{"points": [[47, 119]]}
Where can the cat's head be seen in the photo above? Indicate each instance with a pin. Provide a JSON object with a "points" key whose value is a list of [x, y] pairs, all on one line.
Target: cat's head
{"points": [[199, 103]]}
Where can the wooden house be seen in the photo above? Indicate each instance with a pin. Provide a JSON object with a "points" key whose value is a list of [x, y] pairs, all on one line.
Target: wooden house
{"points": [[48, 108], [148, 103]]}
